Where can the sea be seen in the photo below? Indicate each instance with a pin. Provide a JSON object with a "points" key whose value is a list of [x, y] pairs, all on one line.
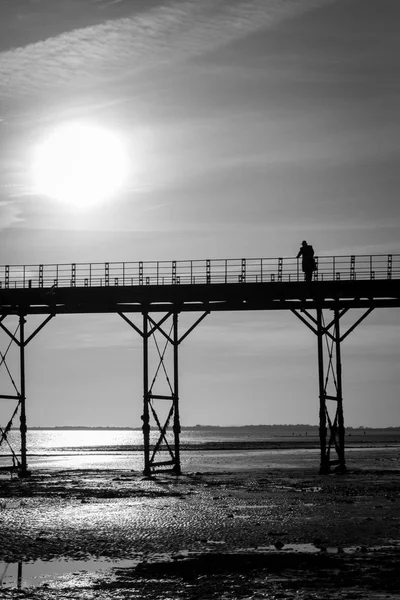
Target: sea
{"points": [[123, 448]]}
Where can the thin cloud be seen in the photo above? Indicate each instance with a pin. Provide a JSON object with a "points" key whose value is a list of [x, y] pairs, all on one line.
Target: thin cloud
{"points": [[116, 49], [10, 214]]}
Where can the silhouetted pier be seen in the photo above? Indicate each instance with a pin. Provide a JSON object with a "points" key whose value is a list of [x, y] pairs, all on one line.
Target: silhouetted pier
{"points": [[171, 287]]}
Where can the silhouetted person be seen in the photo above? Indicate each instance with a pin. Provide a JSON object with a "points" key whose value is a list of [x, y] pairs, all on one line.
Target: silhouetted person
{"points": [[308, 263]]}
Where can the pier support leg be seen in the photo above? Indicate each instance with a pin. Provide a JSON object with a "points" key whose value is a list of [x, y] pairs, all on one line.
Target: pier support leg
{"points": [[177, 424], [19, 459], [162, 450], [339, 398], [324, 459], [146, 400], [334, 419], [23, 428], [331, 421]]}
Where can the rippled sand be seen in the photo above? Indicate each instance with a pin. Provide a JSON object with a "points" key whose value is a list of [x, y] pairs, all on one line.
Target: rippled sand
{"points": [[239, 524]]}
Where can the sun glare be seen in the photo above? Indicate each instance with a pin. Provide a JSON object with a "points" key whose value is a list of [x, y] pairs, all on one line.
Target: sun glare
{"points": [[80, 165]]}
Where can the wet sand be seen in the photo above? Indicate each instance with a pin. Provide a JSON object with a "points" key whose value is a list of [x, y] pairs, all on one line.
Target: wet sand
{"points": [[237, 524]]}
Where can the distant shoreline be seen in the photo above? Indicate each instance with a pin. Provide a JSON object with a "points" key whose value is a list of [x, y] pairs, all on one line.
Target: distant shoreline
{"points": [[288, 428]]}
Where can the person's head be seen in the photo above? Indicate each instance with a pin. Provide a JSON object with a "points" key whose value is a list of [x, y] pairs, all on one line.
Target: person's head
{"points": [[304, 243]]}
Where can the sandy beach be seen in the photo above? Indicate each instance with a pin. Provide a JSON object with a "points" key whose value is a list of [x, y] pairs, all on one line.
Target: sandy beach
{"points": [[237, 524]]}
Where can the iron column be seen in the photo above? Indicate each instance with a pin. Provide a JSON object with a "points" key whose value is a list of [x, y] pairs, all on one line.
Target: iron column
{"points": [[177, 425], [324, 464], [341, 430], [24, 466], [146, 399]]}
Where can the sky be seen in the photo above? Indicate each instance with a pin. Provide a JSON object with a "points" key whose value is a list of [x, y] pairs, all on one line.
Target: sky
{"points": [[249, 126]]}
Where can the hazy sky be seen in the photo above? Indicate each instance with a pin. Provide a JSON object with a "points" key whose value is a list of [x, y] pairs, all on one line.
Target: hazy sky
{"points": [[250, 126]]}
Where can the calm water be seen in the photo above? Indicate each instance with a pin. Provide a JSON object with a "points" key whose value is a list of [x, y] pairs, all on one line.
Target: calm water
{"points": [[54, 441], [108, 449], [121, 448]]}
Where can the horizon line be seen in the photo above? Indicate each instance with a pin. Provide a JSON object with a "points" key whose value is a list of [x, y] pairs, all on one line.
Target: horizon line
{"points": [[199, 426]]}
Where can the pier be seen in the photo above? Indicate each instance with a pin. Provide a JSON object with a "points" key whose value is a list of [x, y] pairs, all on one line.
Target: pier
{"points": [[160, 290]]}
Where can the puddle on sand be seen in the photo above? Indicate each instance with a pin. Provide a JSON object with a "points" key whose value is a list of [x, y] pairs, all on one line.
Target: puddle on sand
{"points": [[59, 572], [311, 548], [306, 549], [34, 574]]}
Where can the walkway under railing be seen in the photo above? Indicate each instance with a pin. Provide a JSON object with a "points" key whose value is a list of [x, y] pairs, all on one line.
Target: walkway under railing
{"points": [[209, 271]]}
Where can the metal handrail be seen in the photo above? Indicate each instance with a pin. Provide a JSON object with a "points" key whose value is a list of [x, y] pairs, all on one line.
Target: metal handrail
{"points": [[207, 271]]}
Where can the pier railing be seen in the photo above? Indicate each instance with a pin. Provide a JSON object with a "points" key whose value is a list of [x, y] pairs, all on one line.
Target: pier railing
{"points": [[209, 271]]}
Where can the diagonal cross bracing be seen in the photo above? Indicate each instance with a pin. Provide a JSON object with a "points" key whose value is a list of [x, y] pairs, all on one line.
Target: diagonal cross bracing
{"points": [[159, 409], [331, 420], [19, 460], [161, 356]]}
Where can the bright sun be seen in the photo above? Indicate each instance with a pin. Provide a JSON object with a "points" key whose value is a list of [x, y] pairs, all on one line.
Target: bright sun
{"points": [[78, 164]]}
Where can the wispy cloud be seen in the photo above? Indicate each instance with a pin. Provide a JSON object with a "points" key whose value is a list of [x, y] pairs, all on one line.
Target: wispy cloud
{"points": [[10, 214], [118, 48]]}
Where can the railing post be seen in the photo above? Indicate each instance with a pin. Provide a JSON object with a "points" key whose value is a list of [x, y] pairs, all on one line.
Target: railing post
{"points": [[73, 275], [106, 273], [174, 271], [316, 272], [389, 266], [280, 268], [352, 267]]}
